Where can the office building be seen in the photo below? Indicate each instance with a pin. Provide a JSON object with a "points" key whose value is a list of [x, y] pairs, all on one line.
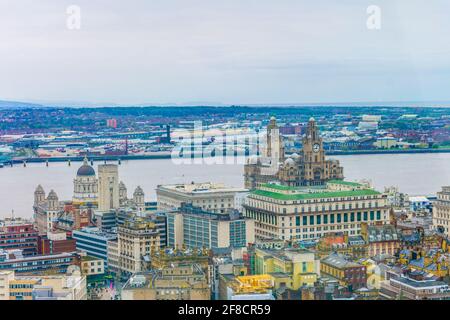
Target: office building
{"points": [[212, 197], [93, 241], [195, 228], [305, 213], [18, 234]]}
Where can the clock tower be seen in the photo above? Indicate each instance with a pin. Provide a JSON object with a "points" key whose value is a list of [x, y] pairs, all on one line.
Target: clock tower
{"points": [[314, 167]]}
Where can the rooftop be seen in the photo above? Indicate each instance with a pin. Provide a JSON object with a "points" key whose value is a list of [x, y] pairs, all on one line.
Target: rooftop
{"points": [[199, 188], [304, 194]]}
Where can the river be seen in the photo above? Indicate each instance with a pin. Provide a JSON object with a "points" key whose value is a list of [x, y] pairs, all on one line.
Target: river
{"points": [[415, 174]]}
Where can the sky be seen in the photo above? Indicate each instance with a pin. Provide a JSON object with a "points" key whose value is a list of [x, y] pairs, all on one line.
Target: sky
{"points": [[224, 52]]}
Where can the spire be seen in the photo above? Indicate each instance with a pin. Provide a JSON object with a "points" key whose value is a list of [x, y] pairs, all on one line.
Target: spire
{"points": [[85, 161]]}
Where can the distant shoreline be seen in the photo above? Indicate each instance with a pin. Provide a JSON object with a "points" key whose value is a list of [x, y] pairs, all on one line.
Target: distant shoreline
{"points": [[169, 156]]}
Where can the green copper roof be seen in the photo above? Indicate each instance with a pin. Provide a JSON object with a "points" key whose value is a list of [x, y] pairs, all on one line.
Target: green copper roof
{"points": [[278, 187], [346, 183], [315, 195]]}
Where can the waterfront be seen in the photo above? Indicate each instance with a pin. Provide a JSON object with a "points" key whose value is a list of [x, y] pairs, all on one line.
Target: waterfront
{"points": [[415, 174]]}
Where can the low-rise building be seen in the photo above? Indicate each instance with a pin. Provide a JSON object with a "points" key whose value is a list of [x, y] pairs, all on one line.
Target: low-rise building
{"points": [[94, 242], [181, 282], [18, 234], [54, 287], [253, 287], [350, 274]]}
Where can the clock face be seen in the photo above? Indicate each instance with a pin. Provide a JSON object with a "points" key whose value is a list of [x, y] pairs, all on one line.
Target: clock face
{"points": [[316, 147]]}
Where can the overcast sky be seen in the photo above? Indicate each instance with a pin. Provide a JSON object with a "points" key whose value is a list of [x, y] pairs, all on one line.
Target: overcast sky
{"points": [[224, 51]]}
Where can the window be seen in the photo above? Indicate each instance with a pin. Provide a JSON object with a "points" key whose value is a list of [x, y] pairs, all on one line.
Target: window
{"points": [[352, 217], [345, 217], [311, 220], [305, 220], [325, 219], [358, 216], [318, 220], [338, 217], [365, 215], [332, 218]]}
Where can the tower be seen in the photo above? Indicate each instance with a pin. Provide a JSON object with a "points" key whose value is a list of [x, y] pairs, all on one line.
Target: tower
{"points": [[138, 199], [39, 195], [274, 148], [53, 201], [108, 187], [85, 184], [123, 196], [313, 155]]}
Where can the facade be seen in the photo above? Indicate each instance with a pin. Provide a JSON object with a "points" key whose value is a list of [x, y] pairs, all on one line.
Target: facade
{"points": [[308, 168], [441, 211], [288, 213], [404, 287], [85, 185], [93, 241], [381, 239], [194, 228], [18, 234], [181, 282], [349, 274], [38, 264], [46, 210], [113, 256], [293, 268], [137, 237], [56, 242], [91, 266], [108, 187], [55, 287], [212, 197]]}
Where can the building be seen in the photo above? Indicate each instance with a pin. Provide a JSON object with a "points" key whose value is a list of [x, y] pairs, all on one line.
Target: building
{"points": [[413, 287], [287, 213], [91, 266], [181, 282], [289, 267], [212, 197], [113, 257], [37, 264], [94, 242], [441, 211], [54, 287], [18, 234], [349, 274], [253, 287], [56, 242], [85, 185], [108, 187], [195, 228], [137, 237], [308, 168], [46, 210], [381, 239]]}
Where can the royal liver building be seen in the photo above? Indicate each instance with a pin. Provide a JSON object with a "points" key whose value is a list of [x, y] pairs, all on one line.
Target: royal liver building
{"points": [[309, 168]]}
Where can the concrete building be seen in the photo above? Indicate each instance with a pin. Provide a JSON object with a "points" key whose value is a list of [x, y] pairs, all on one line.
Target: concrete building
{"points": [[195, 228], [113, 256], [181, 282], [108, 187], [91, 266], [441, 211], [212, 197], [290, 267], [137, 237], [55, 287], [46, 210], [288, 213], [94, 242], [18, 234], [349, 274], [37, 264]]}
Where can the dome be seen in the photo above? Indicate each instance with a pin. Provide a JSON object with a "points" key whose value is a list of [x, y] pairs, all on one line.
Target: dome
{"points": [[52, 195], [312, 119], [295, 155], [139, 191], [86, 169], [39, 189]]}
